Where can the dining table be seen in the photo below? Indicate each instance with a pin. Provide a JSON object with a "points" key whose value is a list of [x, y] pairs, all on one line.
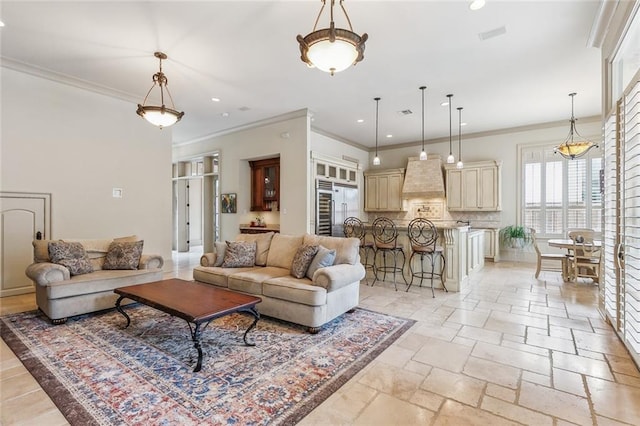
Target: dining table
{"points": [[567, 244]]}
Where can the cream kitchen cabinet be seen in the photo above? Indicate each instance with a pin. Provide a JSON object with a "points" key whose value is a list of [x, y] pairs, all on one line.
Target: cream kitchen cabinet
{"points": [[475, 251], [335, 172], [491, 245], [383, 190], [476, 187]]}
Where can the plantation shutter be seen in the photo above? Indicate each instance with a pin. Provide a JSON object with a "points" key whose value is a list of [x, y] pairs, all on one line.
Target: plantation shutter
{"points": [[612, 227], [631, 219], [532, 169]]}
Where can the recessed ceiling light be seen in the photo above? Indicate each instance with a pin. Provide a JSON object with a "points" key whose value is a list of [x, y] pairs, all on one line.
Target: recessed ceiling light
{"points": [[476, 4], [360, 120], [1, 24], [215, 99], [389, 136], [463, 124], [445, 103], [225, 114]]}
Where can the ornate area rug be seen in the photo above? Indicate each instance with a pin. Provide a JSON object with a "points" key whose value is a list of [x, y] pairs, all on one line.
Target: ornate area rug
{"points": [[96, 372]]}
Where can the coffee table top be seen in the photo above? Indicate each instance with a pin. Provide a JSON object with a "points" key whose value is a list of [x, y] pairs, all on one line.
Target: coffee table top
{"points": [[190, 300]]}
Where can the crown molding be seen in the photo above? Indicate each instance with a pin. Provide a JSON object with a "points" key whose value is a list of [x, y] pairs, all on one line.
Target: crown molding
{"points": [[601, 22], [272, 120], [62, 78], [339, 138]]}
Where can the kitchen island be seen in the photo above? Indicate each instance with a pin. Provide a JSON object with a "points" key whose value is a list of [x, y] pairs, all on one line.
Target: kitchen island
{"points": [[463, 252]]}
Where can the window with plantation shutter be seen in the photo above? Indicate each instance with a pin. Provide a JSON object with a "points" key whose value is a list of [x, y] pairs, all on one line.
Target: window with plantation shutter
{"points": [[612, 227], [559, 194], [631, 218]]}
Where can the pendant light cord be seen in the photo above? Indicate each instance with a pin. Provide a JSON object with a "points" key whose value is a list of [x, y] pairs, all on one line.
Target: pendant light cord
{"points": [[450, 150], [459, 133], [422, 88], [377, 101]]}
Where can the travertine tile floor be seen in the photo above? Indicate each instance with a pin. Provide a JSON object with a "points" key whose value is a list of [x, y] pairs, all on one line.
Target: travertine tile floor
{"points": [[510, 349]]}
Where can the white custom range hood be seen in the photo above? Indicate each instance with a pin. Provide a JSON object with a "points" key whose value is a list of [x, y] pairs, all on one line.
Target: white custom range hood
{"points": [[424, 178]]}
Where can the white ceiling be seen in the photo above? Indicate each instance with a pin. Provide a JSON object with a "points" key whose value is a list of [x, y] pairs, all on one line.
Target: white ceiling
{"points": [[246, 54]]}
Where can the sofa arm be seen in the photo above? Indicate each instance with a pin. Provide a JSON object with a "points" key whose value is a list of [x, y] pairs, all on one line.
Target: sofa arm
{"points": [[45, 273], [208, 259], [338, 276], [151, 261]]}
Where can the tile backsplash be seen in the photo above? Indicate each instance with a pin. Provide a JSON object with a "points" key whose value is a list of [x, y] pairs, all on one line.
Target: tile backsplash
{"points": [[435, 209]]}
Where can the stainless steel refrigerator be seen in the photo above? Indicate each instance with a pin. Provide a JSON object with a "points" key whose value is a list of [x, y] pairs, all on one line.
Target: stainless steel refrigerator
{"points": [[334, 203]]}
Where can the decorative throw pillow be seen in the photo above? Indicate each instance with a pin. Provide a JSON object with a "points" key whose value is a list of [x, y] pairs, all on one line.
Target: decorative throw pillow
{"points": [[221, 249], [239, 254], [123, 255], [323, 258], [70, 255], [302, 260]]}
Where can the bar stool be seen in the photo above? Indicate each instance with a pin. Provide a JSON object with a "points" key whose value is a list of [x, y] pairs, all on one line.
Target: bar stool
{"points": [[423, 236], [385, 239], [354, 228]]}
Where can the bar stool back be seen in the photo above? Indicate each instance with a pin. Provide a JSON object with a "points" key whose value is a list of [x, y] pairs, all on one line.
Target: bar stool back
{"points": [[385, 239], [424, 237], [354, 228]]}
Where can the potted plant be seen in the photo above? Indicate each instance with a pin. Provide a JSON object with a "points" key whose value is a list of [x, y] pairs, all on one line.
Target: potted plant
{"points": [[515, 236]]}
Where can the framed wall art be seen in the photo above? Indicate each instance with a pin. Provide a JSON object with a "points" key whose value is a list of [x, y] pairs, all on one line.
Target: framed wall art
{"points": [[228, 203]]}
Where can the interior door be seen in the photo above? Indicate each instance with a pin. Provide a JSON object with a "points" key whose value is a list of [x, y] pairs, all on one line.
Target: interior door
{"points": [[23, 218]]}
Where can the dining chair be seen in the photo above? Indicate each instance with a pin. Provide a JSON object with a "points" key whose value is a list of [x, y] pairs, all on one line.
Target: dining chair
{"points": [[385, 240], [580, 233], [423, 236], [547, 256], [585, 261], [354, 228]]}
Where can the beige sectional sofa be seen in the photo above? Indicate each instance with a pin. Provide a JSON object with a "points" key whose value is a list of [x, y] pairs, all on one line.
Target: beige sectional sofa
{"points": [[60, 295], [312, 302]]}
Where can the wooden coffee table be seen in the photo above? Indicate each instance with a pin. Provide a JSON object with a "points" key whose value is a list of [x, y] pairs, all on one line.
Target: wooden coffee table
{"points": [[195, 302]]}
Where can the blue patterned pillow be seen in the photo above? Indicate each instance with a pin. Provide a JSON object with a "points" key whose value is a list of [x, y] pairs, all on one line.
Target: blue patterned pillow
{"points": [[70, 255], [323, 258], [239, 254]]}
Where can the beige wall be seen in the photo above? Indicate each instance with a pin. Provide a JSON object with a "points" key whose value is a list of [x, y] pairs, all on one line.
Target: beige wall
{"points": [[78, 145], [286, 137]]}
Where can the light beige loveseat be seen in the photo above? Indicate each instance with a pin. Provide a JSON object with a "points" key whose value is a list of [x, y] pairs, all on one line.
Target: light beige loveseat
{"points": [[60, 295], [332, 291]]}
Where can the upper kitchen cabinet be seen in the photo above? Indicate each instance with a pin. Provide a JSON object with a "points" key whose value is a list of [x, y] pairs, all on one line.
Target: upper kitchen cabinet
{"points": [[265, 185], [334, 172], [383, 190], [476, 187]]}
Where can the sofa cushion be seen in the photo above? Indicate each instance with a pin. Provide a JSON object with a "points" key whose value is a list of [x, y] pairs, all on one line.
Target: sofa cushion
{"points": [[215, 275], [41, 250], [70, 255], [239, 254], [282, 250], [100, 281], [323, 258], [251, 281], [96, 250], [263, 242], [347, 249], [302, 259], [295, 290], [127, 239], [221, 250], [123, 255]]}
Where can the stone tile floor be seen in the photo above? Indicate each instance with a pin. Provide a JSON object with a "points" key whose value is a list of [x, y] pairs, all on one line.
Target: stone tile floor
{"points": [[509, 349]]}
